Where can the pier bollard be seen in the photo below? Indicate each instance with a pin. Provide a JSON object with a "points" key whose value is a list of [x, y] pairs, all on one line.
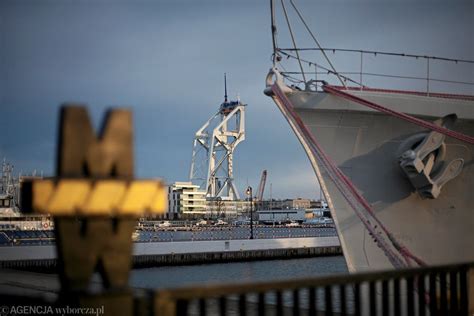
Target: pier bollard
{"points": [[95, 202]]}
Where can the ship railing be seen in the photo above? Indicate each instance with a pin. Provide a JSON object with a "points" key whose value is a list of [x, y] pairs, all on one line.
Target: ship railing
{"points": [[365, 68], [440, 290]]}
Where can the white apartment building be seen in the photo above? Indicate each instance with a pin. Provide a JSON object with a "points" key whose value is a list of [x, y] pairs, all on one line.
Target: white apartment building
{"points": [[227, 208], [185, 200]]}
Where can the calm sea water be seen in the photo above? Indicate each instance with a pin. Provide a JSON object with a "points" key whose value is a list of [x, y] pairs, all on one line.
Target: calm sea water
{"points": [[267, 270], [234, 273]]}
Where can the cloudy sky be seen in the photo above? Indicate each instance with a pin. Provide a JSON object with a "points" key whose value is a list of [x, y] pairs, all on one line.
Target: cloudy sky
{"points": [[166, 59]]}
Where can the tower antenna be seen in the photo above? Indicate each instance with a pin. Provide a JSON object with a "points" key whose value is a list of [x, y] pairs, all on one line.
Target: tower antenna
{"points": [[225, 87], [213, 150]]}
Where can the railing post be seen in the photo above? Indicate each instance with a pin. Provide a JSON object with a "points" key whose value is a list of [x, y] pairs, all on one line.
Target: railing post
{"points": [[164, 305], [428, 76], [470, 289], [316, 74], [361, 64]]}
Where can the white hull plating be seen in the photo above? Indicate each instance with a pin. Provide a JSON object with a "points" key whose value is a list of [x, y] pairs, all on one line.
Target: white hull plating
{"points": [[366, 145]]}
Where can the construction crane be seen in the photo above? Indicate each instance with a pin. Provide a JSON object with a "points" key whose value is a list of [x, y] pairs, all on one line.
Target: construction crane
{"points": [[261, 188]]}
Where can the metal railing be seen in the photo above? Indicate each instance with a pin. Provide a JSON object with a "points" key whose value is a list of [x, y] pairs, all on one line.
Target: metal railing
{"points": [[442, 290], [171, 234], [357, 78]]}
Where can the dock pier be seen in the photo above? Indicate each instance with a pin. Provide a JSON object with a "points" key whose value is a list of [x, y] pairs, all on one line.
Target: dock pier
{"points": [[153, 254]]}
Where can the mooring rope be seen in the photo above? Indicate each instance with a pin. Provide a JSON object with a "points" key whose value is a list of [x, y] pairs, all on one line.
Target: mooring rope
{"points": [[339, 92], [357, 202]]}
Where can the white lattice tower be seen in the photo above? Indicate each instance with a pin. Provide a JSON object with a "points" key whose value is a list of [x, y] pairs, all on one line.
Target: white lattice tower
{"points": [[213, 150]]}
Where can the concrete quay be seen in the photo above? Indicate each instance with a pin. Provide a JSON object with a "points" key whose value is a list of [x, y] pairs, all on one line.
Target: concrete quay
{"points": [[153, 254]]}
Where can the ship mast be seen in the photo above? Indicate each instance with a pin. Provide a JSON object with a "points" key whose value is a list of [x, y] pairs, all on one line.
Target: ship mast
{"points": [[274, 32]]}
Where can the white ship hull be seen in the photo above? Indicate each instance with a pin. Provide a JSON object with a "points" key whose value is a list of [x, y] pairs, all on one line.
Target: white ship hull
{"points": [[366, 145]]}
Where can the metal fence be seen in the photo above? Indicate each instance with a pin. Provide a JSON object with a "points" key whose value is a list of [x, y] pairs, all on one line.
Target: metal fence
{"points": [[364, 68], [439, 290]]}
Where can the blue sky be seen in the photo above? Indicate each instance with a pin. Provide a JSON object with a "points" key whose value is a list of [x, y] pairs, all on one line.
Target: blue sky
{"points": [[165, 60]]}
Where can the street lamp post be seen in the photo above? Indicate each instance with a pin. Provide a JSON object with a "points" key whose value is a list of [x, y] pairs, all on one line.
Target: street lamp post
{"points": [[249, 193]]}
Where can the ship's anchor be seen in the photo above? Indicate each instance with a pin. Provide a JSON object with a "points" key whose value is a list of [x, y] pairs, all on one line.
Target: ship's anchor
{"points": [[424, 165]]}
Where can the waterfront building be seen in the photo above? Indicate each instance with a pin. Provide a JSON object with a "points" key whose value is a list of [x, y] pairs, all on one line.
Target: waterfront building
{"points": [[226, 208], [185, 200], [286, 204], [318, 204], [296, 203]]}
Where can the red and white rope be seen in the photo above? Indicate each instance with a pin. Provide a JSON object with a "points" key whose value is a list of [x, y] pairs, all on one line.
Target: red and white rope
{"points": [[357, 202], [339, 92]]}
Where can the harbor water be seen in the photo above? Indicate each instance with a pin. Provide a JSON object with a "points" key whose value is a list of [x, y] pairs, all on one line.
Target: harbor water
{"points": [[253, 271], [244, 272]]}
